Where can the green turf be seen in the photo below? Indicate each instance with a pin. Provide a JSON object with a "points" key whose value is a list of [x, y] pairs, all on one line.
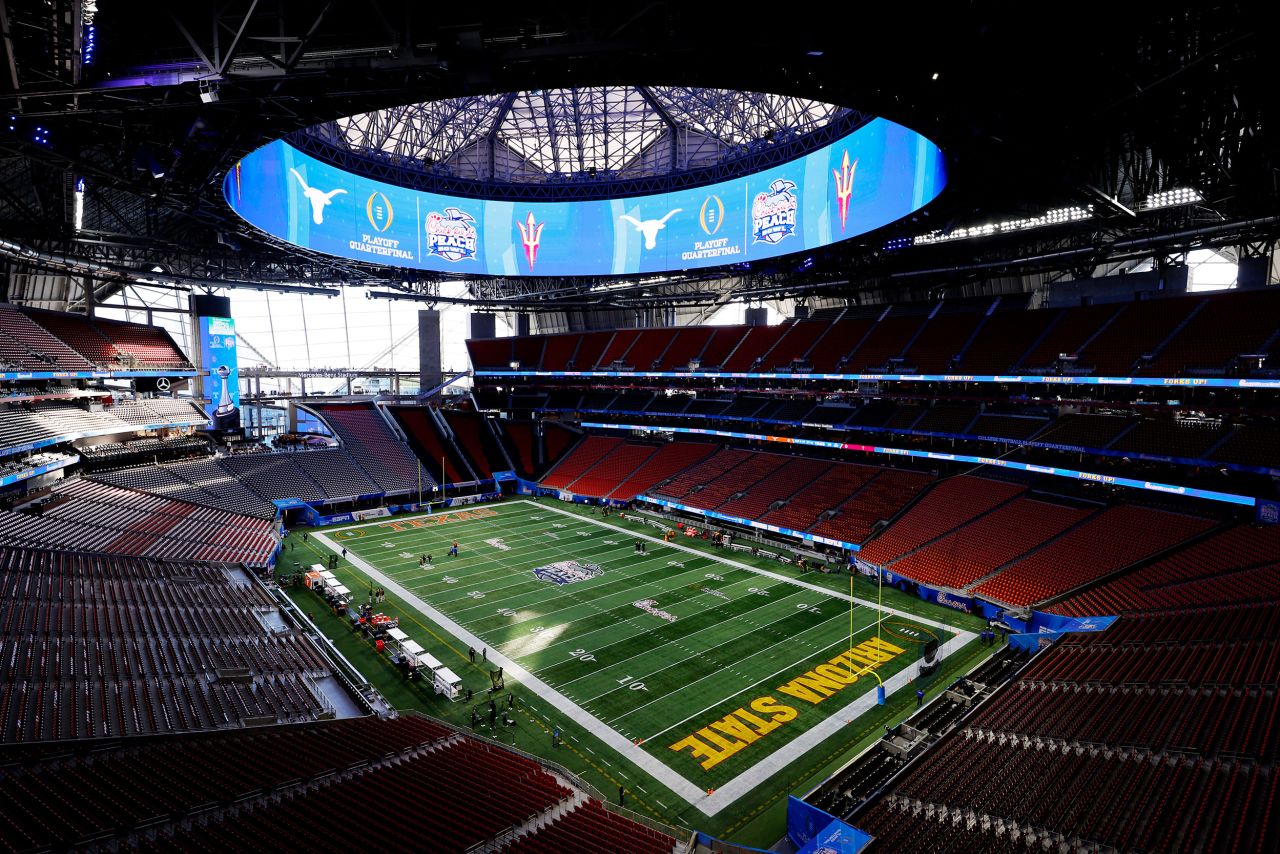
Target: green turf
{"points": [[738, 636]]}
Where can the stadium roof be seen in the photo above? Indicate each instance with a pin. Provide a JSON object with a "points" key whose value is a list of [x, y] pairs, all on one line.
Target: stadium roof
{"points": [[632, 131], [1112, 107]]}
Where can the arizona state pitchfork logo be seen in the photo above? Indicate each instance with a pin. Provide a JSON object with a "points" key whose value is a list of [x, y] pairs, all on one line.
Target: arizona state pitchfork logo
{"points": [[844, 186], [531, 237]]}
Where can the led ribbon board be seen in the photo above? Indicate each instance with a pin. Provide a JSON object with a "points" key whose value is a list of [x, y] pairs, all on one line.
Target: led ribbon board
{"points": [[1163, 382], [872, 177], [1150, 486]]}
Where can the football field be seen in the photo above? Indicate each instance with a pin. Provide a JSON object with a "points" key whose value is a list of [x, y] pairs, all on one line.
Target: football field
{"points": [[708, 673]]}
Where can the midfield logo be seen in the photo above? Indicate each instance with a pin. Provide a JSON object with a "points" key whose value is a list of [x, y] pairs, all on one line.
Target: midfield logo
{"points": [[568, 572]]}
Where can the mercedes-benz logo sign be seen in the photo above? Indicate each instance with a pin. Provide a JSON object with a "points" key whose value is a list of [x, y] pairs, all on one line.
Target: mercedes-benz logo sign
{"points": [[162, 384]]}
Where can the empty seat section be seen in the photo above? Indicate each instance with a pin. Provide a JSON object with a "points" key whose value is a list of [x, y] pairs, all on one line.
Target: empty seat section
{"points": [[491, 353], [882, 498], [740, 478], [827, 492], [1171, 437], [336, 472], [751, 349], [1007, 426], [559, 351], [648, 346], [1135, 333], [78, 332], [1229, 325], [702, 473], [793, 346], [1238, 565], [947, 418], [1073, 328], [886, 341], [1076, 430], [140, 346], [619, 344], [937, 349], [584, 455], [948, 505], [723, 340], [95, 516], [686, 345], [275, 476], [1250, 445], [520, 439], [527, 351], [1108, 542], [670, 458], [590, 347], [473, 434], [615, 467], [828, 354], [792, 477], [1005, 336], [30, 346], [433, 448], [387, 460], [556, 442], [987, 543]]}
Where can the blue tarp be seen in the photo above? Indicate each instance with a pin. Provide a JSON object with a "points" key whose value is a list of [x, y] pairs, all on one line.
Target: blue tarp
{"points": [[813, 830], [837, 838], [1044, 622]]}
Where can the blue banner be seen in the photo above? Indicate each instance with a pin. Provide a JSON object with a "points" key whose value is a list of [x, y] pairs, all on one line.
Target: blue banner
{"points": [[812, 830], [1042, 621], [219, 357], [837, 838]]}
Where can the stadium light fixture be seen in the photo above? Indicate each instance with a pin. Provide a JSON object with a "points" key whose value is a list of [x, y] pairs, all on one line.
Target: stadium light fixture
{"points": [[1057, 216], [1172, 198]]}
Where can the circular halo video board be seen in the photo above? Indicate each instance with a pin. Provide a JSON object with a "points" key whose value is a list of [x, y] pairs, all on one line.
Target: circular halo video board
{"points": [[872, 177]]}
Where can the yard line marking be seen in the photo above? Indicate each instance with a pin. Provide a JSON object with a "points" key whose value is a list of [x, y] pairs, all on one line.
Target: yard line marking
{"points": [[766, 573], [639, 628], [790, 664], [752, 630]]}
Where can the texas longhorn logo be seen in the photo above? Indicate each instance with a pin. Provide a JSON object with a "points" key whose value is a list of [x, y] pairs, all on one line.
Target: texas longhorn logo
{"points": [[318, 198], [530, 237], [844, 186], [649, 228]]}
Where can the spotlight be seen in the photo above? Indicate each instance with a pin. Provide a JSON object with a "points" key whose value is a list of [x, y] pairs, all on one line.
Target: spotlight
{"points": [[1172, 198], [209, 92]]}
